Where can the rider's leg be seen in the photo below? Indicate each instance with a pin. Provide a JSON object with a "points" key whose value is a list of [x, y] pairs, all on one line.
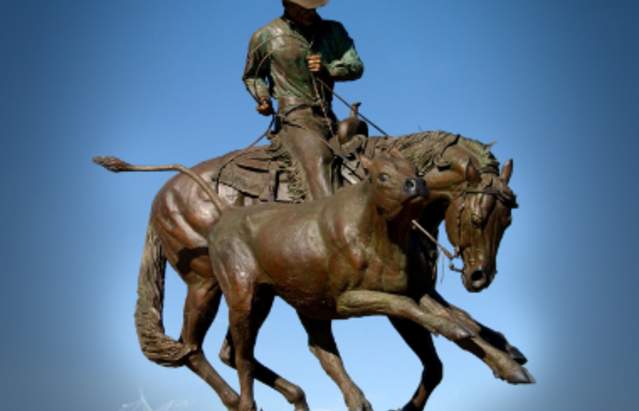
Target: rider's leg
{"points": [[305, 135]]}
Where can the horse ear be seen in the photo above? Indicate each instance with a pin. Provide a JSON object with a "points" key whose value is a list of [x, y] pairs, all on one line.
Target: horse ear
{"points": [[507, 171], [472, 174], [367, 163]]}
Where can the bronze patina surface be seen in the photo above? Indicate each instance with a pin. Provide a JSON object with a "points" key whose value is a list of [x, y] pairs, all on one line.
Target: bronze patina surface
{"points": [[337, 257], [467, 191]]}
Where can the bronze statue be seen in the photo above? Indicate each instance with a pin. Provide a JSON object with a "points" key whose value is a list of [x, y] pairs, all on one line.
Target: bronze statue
{"points": [[296, 59], [337, 257], [467, 190]]}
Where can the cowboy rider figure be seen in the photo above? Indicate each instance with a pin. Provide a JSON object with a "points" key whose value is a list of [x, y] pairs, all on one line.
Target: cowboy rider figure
{"points": [[296, 59]]}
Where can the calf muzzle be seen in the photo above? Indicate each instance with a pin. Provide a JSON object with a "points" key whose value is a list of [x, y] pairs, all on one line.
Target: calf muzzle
{"points": [[416, 187]]}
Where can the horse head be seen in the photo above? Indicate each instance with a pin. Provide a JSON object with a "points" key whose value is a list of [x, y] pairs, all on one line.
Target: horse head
{"points": [[476, 218], [394, 183]]}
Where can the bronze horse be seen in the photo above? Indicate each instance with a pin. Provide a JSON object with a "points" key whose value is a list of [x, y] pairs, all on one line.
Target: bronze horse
{"points": [[467, 191]]}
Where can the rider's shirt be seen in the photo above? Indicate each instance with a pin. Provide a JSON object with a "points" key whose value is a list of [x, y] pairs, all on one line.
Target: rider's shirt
{"points": [[276, 65]]}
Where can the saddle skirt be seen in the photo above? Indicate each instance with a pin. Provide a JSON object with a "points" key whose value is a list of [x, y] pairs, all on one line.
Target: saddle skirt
{"points": [[268, 174]]}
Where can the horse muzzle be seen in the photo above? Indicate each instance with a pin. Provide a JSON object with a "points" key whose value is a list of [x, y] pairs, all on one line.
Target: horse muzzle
{"points": [[477, 279]]}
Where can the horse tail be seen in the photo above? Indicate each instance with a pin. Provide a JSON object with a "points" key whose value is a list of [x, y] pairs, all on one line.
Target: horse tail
{"points": [[155, 344], [116, 165]]}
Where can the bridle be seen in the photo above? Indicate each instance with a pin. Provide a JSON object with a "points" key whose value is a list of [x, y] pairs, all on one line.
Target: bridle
{"points": [[463, 194]]}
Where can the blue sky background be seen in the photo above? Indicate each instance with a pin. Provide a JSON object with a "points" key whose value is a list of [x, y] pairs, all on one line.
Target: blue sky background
{"points": [[553, 82]]}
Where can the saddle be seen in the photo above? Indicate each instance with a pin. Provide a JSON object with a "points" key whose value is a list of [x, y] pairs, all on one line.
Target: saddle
{"points": [[267, 173]]}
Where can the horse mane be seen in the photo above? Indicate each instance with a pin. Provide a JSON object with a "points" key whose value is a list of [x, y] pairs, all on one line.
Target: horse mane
{"points": [[425, 149]]}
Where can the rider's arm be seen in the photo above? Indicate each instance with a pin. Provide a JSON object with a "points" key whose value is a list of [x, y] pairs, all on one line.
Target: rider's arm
{"points": [[256, 69], [347, 65]]}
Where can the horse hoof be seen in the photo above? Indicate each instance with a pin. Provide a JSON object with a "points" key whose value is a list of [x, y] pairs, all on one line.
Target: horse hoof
{"points": [[521, 376], [516, 355]]}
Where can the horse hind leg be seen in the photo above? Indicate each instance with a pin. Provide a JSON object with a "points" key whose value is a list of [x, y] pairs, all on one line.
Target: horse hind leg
{"points": [[200, 308], [293, 394]]}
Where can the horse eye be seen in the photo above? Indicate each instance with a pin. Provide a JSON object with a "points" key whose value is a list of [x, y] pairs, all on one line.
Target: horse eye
{"points": [[383, 177]]}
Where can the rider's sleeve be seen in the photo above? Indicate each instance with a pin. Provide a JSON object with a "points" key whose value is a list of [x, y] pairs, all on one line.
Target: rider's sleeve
{"points": [[346, 65], [256, 69]]}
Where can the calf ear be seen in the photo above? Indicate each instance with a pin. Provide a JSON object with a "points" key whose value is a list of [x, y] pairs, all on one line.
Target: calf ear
{"points": [[507, 171], [367, 163], [472, 174]]}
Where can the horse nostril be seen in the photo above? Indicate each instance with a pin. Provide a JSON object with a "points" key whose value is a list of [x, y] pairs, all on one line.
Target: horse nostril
{"points": [[478, 278]]}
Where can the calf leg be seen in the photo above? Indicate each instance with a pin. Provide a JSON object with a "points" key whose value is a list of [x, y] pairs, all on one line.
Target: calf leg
{"points": [[364, 303], [200, 307], [244, 343], [293, 394], [421, 342], [322, 345]]}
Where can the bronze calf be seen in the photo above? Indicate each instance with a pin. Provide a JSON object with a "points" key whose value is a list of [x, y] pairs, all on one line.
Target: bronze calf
{"points": [[337, 257]]}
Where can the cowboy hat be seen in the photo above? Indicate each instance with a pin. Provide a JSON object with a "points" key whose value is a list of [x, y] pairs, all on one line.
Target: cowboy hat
{"points": [[309, 4]]}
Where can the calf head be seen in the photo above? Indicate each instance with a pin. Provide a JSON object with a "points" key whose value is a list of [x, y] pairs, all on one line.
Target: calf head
{"points": [[394, 183]]}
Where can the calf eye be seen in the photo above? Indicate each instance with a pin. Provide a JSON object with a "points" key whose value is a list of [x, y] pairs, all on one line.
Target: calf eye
{"points": [[383, 177]]}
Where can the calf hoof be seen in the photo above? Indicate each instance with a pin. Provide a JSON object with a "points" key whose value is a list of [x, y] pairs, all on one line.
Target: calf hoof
{"points": [[363, 407], [301, 406], [361, 404]]}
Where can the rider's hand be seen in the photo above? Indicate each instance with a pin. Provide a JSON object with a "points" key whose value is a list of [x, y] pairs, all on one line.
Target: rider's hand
{"points": [[265, 107], [314, 63]]}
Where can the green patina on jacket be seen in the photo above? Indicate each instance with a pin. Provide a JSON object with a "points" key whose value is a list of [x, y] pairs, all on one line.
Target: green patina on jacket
{"points": [[276, 64]]}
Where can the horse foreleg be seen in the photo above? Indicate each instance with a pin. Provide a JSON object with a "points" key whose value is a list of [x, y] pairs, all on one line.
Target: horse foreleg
{"points": [[491, 336], [200, 307], [322, 345], [293, 394], [421, 342], [364, 303], [504, 364]]}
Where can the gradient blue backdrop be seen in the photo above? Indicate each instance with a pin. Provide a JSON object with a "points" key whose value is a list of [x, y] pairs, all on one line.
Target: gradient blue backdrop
{"points": [[553, 82]]}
